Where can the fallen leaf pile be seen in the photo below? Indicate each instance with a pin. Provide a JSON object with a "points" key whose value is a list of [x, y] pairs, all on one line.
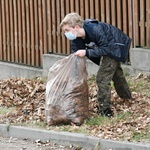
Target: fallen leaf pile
{"points": [[28, 98], [134, 118]]}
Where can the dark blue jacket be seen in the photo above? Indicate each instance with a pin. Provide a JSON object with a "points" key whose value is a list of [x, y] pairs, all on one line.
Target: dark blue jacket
{"points": [[108, 40]]}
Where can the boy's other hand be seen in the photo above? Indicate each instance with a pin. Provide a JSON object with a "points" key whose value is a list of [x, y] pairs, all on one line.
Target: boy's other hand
{"points": [[80, 53]]}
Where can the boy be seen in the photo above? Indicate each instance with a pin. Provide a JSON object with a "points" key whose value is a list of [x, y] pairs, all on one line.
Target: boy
{"points": [[100, 41]]}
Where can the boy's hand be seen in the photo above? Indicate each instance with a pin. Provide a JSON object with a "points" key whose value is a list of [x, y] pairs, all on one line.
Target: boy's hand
{"points": [[80, 53]]}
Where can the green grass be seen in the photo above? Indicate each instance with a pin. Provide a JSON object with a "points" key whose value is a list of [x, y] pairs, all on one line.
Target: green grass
{"points": [[101, 121], [69, 128], [140, 85], [5, 110], [97, 120], [33, 124], [142, 135], [123, 116]]}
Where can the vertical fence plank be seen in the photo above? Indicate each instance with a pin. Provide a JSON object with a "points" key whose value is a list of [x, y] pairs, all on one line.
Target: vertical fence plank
{"points": [[49, 27], [40, 30], [87, 8], [148, 23], [23, 15], [28, 32], [82, 8], [19, 31], [108, 8], [72, 9], [119, 17], [64, 40], [57, 28], [36, 31], [113, 12], [136, 22], [130, 22], [44, 26], [11, 31], [4, 30], [97, 9], [7, 30], [77, 6], [54, 26], [142, 23], [32, 26], [16, 31], [64, 10], [102, 10], [92, 9], [1, 47], [124, 18]]}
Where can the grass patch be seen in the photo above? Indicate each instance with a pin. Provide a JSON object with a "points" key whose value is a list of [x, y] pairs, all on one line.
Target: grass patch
{"points": [[98, 120], [5, 110], [33, 124], [123, 116], [37, 124], [140, 85], [70, 128], [102, 121], [141, 135]]}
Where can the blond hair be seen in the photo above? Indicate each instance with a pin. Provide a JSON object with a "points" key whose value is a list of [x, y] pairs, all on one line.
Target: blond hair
{"points": [[72, 19]]}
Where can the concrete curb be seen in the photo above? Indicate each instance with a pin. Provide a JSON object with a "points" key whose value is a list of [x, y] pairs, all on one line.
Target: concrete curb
{"points": [[67, 138]]}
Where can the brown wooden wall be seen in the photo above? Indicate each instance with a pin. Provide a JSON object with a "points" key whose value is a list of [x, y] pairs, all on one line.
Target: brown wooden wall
{"points": [[30, 28]]}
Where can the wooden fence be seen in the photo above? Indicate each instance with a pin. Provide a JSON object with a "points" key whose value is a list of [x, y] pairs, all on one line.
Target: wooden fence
{"points": [[30, 28]]}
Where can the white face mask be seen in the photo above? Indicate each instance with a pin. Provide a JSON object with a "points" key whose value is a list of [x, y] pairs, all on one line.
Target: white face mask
{"points": [[70, 36]]}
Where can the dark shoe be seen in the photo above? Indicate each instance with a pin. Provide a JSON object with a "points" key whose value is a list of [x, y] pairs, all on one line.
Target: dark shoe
{"points": [[107, 112], [126, 96]]}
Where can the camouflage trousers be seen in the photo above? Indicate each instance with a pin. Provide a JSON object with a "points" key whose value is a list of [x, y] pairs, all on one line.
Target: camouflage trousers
{"points": [[110, 70]]}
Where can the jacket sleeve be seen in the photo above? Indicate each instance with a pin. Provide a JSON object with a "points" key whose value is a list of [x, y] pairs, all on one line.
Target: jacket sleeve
{"points": [[76, 45], [101, 41]]}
